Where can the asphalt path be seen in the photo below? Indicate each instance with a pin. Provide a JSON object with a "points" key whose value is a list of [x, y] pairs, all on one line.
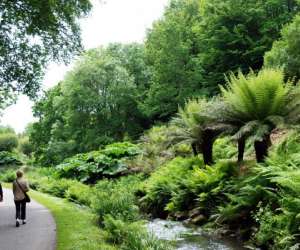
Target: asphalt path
{"points": [[38, 234]]}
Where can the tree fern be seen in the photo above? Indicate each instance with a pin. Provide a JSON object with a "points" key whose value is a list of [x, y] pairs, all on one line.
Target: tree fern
{"points": [[255, 104]]}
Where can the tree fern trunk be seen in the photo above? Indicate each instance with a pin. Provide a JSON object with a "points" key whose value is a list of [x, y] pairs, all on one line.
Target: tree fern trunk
{"points": [[207, 147], [194, 147], [241, 149], [261, 148]]}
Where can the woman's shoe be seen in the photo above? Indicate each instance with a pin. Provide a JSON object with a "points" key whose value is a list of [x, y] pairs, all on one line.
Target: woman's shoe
{"points": [[17, 223], [24, 222]]}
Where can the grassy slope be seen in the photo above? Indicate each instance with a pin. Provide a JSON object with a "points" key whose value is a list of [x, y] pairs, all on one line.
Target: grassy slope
{"points": [[76, 227]]}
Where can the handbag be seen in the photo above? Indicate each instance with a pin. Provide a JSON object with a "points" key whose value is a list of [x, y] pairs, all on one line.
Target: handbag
{"points": [[27, 198]]}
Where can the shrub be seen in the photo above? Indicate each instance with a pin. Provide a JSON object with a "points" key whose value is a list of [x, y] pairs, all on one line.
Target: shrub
{"points": [[80, 193], [121, 149], [25, 146], [116, 197], [167, 181], [8, 176], [8, 142], [95, 165], [266, 202], [131, 236], [224, 148], [54, 153], [155, 151], [8, 158], [56, 187], [90, 167]]}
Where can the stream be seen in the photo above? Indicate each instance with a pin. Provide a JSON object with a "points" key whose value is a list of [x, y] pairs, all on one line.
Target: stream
{"points": [[189, 238]]}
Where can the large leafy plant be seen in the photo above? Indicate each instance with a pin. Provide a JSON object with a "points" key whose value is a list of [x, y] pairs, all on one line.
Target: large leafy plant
{"points": [[8, 158], [95, 165]]}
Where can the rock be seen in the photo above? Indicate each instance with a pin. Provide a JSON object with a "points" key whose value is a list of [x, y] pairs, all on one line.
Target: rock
{"points": [[180, 215], [199, 219], [195, 212]]}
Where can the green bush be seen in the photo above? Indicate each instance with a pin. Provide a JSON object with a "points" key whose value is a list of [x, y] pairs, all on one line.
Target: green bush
{"points": [[130, 236], [56, 187], [167, 181], [224, 148], [55, 153], [80, 193], [8, 176], [121, 149], [116, 197], [92, 166], [156, 152], [8, 142], [25, 146], [8, 158], [266, 202]]}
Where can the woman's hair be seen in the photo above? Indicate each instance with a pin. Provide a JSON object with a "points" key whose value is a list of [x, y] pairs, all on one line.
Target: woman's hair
{"points": [[19, 173]]}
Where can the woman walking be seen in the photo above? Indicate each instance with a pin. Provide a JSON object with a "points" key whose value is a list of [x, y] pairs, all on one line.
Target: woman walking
{"points": [[20, 188]]}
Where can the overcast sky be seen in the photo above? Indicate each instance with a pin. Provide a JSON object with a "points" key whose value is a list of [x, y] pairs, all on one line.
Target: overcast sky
{"points": [[113, 21]]}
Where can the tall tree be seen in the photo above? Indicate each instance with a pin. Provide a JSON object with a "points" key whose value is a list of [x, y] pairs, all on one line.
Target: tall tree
{"points": [[236, 34], [31, 34], [96, 103], [172, 52], [285, 52], [197, 42]]}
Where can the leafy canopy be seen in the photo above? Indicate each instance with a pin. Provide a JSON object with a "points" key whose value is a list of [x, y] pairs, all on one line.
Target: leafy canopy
{"points": [[96, 104], [31, 34], [196, 42], [285, 51]]}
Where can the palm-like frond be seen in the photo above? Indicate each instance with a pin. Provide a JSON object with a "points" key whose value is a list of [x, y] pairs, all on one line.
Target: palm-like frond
{"points": [[192, 121], [188, 125], [256, 96], [257, 103]]}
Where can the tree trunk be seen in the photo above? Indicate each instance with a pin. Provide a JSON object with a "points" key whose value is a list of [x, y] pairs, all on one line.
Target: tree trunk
{"points": [[194, 147], [241, 149], [207, 148], [261, 148]]}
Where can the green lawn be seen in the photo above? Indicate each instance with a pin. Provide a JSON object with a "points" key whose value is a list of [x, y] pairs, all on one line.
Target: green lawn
{"points": [[76, 227]]}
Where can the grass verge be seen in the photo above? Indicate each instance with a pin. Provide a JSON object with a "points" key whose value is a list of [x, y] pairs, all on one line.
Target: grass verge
{"points": [[76, 226]]}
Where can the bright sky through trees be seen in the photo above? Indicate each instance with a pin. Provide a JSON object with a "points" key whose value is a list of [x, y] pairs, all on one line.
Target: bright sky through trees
{"points": [[113, 21]]}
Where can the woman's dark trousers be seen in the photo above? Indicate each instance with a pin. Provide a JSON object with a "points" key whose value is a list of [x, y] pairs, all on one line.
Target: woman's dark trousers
{"points": [[20, 209]]}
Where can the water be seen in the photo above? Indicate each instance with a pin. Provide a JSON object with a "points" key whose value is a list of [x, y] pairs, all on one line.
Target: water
{"points": [[189, 238]]}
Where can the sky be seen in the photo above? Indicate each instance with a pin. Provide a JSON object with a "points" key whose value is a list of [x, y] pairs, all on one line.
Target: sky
{"points": [[121, 21]]}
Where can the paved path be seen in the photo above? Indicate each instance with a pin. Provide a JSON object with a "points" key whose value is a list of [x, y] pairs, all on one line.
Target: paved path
{"points": [[38, 234]]}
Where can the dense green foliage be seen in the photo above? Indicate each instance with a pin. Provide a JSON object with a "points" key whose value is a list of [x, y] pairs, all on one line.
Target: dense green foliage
{"points": [[115, 94], [97, 103], [9, 158], [197, 42], [121, 90], [31, 34], [257, 202], [8, 142], [285, 52], [25, 146], [165, 183], [95, 165], [113, 202]]}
